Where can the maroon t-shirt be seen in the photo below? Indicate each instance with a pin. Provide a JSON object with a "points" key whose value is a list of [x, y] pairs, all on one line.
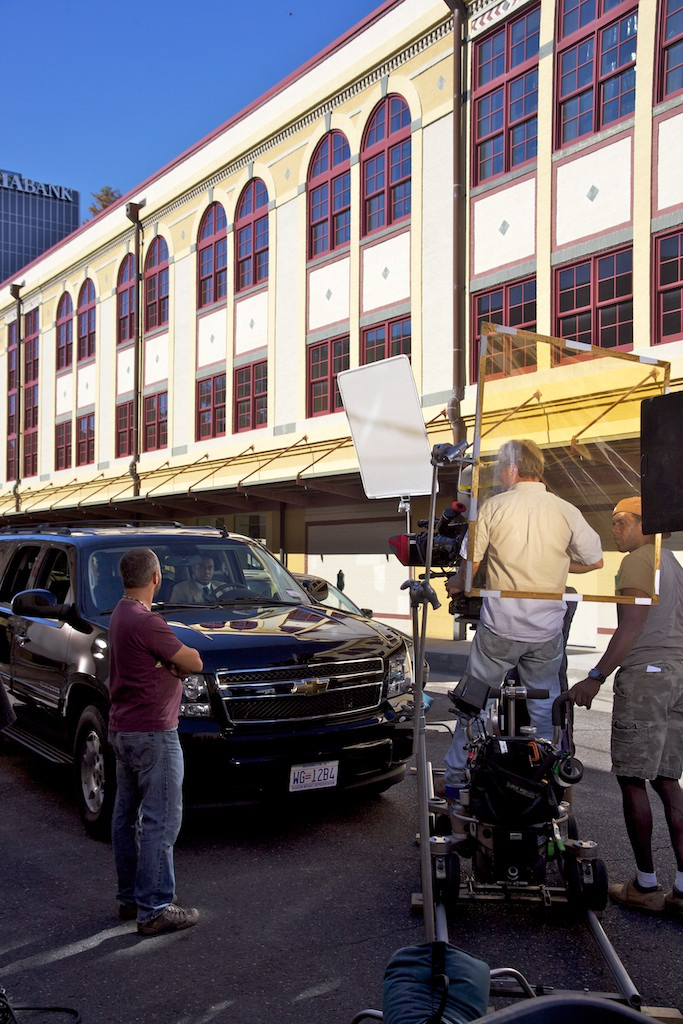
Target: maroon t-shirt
{"points": [[145, 696]]}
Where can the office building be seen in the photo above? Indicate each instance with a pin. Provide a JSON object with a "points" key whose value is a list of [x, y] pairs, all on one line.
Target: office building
{"points": [[34, 216]]}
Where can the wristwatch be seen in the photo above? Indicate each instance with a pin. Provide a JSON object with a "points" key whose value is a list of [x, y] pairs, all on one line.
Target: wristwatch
{"points": [[595, 673]]}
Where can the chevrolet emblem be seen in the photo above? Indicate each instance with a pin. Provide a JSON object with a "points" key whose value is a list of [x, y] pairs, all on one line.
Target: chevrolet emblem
{"points": [[310, 687]]}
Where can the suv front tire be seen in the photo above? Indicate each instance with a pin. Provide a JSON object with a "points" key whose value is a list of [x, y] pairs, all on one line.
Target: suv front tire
{"points": [[95, 770]]}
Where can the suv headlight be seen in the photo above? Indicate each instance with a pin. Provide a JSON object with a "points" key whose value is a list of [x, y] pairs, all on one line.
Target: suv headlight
{"points": [[399, 675], [195, 700]]}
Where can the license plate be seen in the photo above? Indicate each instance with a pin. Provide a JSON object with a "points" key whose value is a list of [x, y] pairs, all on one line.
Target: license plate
{"points": [[313, 776]]}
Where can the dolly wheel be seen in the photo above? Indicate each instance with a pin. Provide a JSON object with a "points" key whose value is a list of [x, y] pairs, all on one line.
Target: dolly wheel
{"points": [[447, 889], [595, 893]]}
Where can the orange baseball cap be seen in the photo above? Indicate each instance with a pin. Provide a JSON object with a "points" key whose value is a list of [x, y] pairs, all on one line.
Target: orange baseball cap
{"points": [[632, 505]]}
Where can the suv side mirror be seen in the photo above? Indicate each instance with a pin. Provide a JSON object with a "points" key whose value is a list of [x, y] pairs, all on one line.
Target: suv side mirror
{"points": [[42, 604]]}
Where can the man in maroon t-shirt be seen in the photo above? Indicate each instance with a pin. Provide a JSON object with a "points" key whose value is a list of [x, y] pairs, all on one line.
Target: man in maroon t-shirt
{"points": [[147, 661]]}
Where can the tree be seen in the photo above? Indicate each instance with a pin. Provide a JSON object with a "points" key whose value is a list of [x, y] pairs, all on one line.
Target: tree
{"points": [[104, 198]]}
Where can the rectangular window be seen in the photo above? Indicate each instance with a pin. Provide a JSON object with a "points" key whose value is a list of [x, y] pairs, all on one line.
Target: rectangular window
{"points": [[594, 300], [505, 97], [374, 192], [669, 283], [325, 361], [381, 341], [155, 414], [124, 429], [211, 407], [510, 305], [85, 440], [31, 453], [596, 62], [63, 445], [251, 397], [64, 343], [86, 333], [670, 50], [12, 438]]}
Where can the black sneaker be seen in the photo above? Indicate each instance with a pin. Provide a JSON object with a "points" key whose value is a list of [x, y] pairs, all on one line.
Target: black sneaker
{"points": [[171, 919]]}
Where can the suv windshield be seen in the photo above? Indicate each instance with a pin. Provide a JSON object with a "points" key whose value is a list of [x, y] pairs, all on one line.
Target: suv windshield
{"points": [[196, 570]]}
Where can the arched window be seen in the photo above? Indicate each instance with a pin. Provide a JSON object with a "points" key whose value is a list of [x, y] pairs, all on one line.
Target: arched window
{"points": [[329, 196], [86, 321], [386, 169], [125, 301], [251, 234], [156, 285], [212, 262], [65, 332]]}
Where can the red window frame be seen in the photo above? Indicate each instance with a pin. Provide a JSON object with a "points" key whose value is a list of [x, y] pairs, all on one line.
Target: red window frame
{"points": [[250, 397], [87, 321], [30, 392], [596, 66], [12, 426], [670, 50], [251, 236], [63, 453], [155, 421], [325, 360], [594, 300], [125, 301], [512, 305], [212, 257], [124, 429], [156, 285], [668, 279], [505, 96], [85, 439], [65, 332], [329, 196], [386, 339], [386, 166], [211, 420]]}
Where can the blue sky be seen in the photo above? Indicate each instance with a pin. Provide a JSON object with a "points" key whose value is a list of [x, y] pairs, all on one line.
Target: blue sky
{"points": [[99, 94]]}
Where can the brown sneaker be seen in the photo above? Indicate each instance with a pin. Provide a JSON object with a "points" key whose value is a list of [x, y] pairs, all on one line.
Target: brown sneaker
{"points": [[673, 903], [628, 893], [171, 919]]}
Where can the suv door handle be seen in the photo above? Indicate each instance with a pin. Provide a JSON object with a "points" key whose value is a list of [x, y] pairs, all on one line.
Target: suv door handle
{"points": [[22, 640]]}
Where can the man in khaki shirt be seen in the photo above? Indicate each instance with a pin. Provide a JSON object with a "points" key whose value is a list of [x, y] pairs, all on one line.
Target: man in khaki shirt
{"points": [[532, 540]]}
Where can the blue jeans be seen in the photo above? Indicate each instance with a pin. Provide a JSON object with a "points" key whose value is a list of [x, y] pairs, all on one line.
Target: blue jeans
{"points": [[147, 816], [538, 663]]}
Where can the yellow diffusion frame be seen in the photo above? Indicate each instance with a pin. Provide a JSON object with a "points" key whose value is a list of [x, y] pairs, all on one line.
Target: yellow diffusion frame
{"points": [[581, 405]]}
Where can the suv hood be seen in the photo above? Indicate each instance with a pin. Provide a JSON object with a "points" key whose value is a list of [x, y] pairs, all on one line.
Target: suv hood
{"points": [[244, 637]]}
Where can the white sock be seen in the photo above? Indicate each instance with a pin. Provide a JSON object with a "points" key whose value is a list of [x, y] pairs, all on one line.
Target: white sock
{"points": [[678, 881], [645, 879]]}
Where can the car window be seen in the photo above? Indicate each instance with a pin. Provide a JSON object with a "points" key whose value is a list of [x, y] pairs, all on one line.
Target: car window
{"points": [[106, 587], [54, 574], [19, 571]]}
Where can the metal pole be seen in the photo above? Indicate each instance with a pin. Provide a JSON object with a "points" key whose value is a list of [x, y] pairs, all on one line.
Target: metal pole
{"points": [[459, 252]]}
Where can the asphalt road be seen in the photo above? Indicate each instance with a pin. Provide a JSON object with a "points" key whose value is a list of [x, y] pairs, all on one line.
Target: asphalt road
{"points": [[301, 907]]}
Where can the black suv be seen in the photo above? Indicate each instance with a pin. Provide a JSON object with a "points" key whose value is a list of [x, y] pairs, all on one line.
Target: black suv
{"points": [[292, 697]]}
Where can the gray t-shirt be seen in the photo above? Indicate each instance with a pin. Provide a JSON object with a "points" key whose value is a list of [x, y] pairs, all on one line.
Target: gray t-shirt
{"points": [[662, 635]]}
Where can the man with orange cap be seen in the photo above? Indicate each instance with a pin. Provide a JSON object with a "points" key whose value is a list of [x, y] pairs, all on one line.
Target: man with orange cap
{"points": [[647, 716]]}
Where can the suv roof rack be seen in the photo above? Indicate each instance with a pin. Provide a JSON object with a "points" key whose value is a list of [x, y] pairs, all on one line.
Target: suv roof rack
{"points": [[67, 528]]}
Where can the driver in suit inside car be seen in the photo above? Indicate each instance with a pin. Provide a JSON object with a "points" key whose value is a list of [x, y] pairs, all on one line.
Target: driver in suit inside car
{"points": [[199, 588]]}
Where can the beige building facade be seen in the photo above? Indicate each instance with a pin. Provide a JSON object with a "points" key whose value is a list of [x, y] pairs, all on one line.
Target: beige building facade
{"points": [[176, 357]]}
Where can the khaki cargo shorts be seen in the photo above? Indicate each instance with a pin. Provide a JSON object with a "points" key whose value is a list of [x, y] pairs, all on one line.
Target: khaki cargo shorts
{"points": [[647, 721]]}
